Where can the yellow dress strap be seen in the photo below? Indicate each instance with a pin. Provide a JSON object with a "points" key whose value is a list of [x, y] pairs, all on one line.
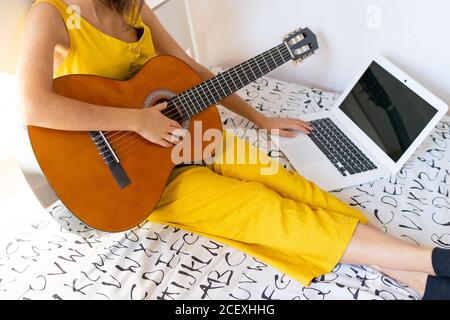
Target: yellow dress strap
{"points": [[134, 18]]}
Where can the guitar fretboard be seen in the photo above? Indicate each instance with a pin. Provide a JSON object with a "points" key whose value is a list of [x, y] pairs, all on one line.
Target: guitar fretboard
{"points": [[214, 90]]}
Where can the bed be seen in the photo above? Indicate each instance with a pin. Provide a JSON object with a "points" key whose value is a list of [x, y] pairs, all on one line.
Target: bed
{"points": [[45, 261]]}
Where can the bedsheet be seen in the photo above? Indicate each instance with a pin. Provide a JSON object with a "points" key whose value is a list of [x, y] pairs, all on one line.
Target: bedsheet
{"points": [[46, 261]]}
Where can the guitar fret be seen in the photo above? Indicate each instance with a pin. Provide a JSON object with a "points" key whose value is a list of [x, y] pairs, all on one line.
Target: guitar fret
{"points": [[275, 61], [221, 88], [222, 85], [205, 93], [207, 83], [252, 71], [209, 89], [248, 79], [197, 95], [216, 88], [232, 79], [182, 99], [281, 54], [226, 82], [265, 62], [197, 103], [239, 77], [259, 67], [191, 104], [278, 48], [265, 59], [208, 93]]}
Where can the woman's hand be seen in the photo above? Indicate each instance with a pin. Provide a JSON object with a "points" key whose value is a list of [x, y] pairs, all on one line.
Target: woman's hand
{"points": [[157, 128], [283, 127]]}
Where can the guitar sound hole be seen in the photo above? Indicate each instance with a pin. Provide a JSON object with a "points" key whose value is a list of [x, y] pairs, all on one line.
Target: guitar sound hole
{"points": [[173, 111]]}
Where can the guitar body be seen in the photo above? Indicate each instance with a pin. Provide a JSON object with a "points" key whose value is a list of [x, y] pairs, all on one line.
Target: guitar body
{"points": [[76, 171]]}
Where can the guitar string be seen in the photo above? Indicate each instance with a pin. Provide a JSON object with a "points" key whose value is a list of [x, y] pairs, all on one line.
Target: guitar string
{"points": [[198, 94], [118, 147], [111, 134], [232, 77], [199, 90], [122, 150], [247, 64], [131, 135], [123, 135], [250, 64], [130, 145]]}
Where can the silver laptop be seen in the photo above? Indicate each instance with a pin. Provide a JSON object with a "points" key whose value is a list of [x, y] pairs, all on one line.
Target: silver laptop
{"points": [[371, 131]]}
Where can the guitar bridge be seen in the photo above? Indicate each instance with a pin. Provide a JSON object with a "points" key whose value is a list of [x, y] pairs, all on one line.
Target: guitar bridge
{"points": [[110, 158]]}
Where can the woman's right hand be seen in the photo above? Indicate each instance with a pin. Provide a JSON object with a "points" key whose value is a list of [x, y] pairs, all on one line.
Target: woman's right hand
{"points": [[157, 128]]}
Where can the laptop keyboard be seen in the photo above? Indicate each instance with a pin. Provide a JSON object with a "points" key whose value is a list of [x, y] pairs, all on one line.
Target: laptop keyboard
{"points": [[339, 149]]}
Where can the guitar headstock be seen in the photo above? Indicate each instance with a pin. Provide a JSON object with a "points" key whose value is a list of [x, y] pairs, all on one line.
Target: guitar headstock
{"points": [[302, 43]]}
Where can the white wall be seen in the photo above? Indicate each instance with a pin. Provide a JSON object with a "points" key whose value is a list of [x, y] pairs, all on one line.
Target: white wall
{"points": [[173, 16], [414, 34], [172, 13], [12, 14]]}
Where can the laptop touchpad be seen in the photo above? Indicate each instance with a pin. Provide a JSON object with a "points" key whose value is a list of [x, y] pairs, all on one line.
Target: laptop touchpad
{"points": [[303, 151]]}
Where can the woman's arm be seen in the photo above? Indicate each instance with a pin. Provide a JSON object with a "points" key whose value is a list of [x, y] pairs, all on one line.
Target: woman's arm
{"points": [[165, 43], [40, 106]]}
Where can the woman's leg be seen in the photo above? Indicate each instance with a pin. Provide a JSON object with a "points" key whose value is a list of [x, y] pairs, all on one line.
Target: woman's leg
{"points": [[373, 247], [297, 239], [384, 250], [248, 163], [301, 241], [415, 280], [404, 262]]}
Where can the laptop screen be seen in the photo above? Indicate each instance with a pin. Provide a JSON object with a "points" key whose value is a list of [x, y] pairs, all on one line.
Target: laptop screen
{"points": [[390, 113]]}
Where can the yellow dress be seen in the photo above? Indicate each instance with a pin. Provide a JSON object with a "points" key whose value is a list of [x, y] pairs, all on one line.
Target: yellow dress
{"points": [[282, 219]]}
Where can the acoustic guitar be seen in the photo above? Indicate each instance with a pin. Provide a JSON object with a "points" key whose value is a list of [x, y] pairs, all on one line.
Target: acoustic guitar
{"points": [[112, 181]]}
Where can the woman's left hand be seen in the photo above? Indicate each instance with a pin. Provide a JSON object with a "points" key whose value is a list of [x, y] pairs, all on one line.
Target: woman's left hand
{"points": [[284, 127]]}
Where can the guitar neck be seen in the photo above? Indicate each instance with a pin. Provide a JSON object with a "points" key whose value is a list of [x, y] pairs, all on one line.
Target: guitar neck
{"points": [[214, 90]]}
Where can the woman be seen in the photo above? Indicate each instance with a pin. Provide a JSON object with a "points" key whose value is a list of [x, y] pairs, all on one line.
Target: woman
{"points": [[282, 219]]}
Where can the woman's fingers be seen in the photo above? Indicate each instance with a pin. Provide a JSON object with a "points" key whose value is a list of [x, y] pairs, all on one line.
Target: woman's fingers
{"points": [[307, 125], [283, 133], [301, 123], [174, 124], [160, 107], [175, 135], [163, 143], [170, 139], [181, 132], [295, 124]]}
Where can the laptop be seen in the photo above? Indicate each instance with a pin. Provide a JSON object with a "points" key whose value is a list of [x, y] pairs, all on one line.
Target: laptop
{"points": [[370, 133]]}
